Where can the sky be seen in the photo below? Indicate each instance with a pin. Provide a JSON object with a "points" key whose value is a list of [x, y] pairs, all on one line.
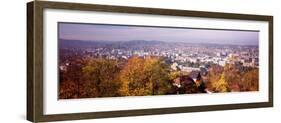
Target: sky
{"points": [[99, 32]]}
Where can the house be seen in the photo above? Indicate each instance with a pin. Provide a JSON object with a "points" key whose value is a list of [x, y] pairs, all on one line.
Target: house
{"points": [[187, 85]]}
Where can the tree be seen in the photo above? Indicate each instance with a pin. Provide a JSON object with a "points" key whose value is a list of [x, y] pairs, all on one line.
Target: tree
{"points": [[250, 81], [144, 76], [67, 90], [157, 72], [131, 77], [70, 79], [221, 85], [213, 76], [233, 75], [99, 77]]}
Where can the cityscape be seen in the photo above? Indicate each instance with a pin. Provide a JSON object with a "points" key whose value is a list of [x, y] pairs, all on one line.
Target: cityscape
{"points": [[99, 66]]}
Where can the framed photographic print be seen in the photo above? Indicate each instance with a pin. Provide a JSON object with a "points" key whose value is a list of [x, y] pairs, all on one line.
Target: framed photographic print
{"points": [[97, 61]]}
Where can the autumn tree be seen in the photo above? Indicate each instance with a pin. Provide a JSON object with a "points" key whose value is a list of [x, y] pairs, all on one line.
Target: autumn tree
{"points": [[250, 81], [68, 90], [99, 76], [70, 79], [132, 76], [213, 76], [221, 85], [157, 73], [144, 76], [233, 75]]}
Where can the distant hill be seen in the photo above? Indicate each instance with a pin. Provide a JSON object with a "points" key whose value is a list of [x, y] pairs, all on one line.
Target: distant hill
{"points": [[94, 44], [63, 43]]}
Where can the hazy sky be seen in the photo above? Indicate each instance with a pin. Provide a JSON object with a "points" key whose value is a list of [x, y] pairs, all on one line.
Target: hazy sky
{"points": [[126, 33]]}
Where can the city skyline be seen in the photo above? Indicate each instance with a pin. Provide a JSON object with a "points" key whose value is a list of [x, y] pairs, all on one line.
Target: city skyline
{"points": [[101, 32]]}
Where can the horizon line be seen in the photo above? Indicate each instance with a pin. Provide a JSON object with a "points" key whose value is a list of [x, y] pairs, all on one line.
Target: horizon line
{"points": [[159, 41]]}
